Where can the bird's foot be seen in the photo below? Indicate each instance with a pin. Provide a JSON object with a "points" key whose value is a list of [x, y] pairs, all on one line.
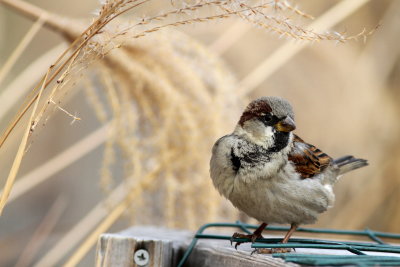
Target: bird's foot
{"points": [[253, 237], [271, 250]]}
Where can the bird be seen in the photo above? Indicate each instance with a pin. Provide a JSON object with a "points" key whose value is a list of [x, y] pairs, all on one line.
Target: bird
{"points": [[271, 174]]}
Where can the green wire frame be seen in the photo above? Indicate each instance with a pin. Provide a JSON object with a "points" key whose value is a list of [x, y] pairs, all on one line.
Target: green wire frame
{"points": [[357, 248]]}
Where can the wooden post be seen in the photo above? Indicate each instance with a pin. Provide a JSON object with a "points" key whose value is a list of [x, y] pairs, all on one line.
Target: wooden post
{"points": [[118, 250], [166, 247]]}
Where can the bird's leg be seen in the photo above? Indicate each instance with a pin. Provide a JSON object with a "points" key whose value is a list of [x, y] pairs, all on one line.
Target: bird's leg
{"points": [[292, 229], [256, 234]]}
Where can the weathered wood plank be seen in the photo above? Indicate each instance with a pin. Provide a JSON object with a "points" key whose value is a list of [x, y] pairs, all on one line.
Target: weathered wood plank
{"points": [[119, 250], [166, 248]]}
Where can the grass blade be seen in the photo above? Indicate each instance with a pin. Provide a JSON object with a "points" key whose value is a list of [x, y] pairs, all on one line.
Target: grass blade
{"points": [[20, 153]]}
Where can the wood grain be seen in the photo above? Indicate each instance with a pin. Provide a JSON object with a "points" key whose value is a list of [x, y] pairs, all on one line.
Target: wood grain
{"points": [[166, 247]]}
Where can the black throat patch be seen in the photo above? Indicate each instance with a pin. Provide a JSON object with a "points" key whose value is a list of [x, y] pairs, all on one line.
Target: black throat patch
{"points": [[281, 140], [235, 161]]}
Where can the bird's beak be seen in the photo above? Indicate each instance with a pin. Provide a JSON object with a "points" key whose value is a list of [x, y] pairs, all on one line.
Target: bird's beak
{"points": [[285, 125]]}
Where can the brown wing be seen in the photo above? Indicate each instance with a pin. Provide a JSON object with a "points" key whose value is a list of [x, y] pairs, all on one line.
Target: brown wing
{"points": [[307, 159]]}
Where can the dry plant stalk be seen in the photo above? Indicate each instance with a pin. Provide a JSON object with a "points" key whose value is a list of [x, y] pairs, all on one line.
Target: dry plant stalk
{"points": [[168, 98], [20, 153], [173, 80]]}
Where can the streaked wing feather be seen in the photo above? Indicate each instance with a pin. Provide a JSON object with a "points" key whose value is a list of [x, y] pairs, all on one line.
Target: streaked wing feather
{"points": [[307, 159]]}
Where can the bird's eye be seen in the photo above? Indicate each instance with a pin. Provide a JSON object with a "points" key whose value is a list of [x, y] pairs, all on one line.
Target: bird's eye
{"points": [[268, 117]]}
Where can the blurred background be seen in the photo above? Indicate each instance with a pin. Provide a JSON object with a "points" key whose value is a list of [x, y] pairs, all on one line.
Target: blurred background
{"points": [[345, 98]]}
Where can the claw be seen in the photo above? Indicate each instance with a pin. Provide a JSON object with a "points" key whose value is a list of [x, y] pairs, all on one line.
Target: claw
{"points": [[235, 235], [237, 244], [253, 237]]}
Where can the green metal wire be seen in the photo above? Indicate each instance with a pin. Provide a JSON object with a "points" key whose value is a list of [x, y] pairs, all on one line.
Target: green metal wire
{"points": [[357, 248], [358, 260]]}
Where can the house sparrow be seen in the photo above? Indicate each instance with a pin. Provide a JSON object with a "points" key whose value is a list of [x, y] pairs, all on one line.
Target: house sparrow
{"points": [[270, 173]]}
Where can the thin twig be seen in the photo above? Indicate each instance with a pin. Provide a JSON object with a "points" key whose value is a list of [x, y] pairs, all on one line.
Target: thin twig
{"points": [[11, 94], [93, 29]]}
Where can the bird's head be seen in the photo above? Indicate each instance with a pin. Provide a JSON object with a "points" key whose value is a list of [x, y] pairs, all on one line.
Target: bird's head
{"points": [[266, 119]]}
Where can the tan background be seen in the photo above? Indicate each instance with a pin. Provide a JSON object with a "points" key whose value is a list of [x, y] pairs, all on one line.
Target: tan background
{"points": [[345, 98]]}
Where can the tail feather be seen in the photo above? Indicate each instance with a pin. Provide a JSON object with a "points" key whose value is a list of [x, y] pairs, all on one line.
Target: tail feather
{"points": [[349, 163], [343, 159]]}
